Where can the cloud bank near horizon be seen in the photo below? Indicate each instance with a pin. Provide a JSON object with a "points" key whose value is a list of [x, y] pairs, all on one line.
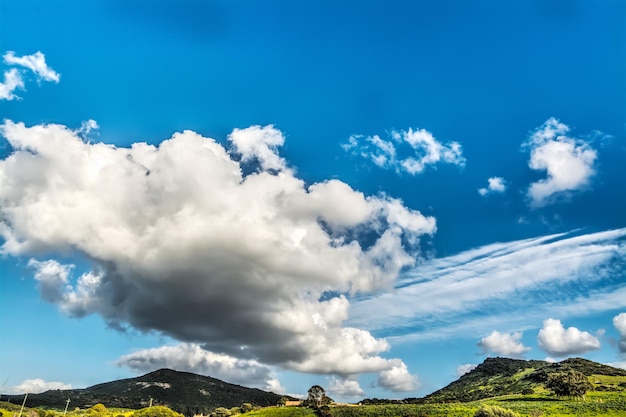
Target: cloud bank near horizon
{"points": [[35, 386], [183, 242]]}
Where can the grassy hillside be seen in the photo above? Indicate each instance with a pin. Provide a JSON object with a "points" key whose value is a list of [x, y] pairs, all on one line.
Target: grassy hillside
{"points": [[599, 404], [502, 376]]}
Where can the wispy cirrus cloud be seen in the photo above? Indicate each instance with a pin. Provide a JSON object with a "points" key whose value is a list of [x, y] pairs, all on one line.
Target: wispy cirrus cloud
{"points": [[409, 151], [485, 288]]}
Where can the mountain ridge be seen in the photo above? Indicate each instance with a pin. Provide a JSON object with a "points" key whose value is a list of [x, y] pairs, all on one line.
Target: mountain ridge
{"points": [[190, 393], [185, 392]]}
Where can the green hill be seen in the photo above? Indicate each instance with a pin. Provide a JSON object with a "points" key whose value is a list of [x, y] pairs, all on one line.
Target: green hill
{"points": [[184, 392], [502, 376]]}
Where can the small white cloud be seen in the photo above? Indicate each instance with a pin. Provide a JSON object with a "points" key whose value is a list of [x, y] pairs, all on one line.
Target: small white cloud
{"points": [[568, 162], [550, 359], [557, 341], [620, 365], [398, 378], [12, 81], [14, 78], [619, 322], [507, 344], [36, 63], [496, 185], [465, 368], [406, 151], [36, 386], [274, 385], [345, 387]]}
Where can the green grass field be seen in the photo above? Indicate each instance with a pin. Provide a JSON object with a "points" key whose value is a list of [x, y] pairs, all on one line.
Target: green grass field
{"points": [[597, 403]]}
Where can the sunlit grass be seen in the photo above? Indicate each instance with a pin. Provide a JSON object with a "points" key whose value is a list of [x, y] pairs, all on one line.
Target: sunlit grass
{"points": [[282, 412], [598, 404]]}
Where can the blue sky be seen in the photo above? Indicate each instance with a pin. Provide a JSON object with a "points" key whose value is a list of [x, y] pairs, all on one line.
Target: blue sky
{"points": [[370, 196]]}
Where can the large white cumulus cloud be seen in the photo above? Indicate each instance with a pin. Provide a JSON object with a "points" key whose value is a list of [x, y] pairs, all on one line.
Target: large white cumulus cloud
{"points": [[556, 340], [183, 242]]}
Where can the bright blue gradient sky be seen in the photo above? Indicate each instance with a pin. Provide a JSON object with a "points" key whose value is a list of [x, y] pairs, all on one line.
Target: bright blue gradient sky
{"points": [[377, 196]]}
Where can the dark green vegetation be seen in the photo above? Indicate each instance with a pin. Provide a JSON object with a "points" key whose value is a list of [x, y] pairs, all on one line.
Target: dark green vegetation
{"points": [[496, 388], [598, 404], [183, 392], [569, 384]]}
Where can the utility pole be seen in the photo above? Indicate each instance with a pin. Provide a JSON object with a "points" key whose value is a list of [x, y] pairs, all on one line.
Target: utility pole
{"points": [[150, 406], [67, 403], [23, 403]]}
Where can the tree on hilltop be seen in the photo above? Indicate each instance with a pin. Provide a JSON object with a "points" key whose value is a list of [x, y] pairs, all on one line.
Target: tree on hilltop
{"points": [[316, 395], [568, 384]]}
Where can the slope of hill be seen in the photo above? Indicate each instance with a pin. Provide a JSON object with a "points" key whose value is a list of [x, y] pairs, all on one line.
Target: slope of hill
{"points": [[184, 392], [502, 376]]}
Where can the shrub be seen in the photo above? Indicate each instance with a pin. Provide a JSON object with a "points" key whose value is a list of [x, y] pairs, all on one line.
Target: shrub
{"points": [[98, 409], [222, 412], [156, 411], [494, 411], [324, 411]]}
